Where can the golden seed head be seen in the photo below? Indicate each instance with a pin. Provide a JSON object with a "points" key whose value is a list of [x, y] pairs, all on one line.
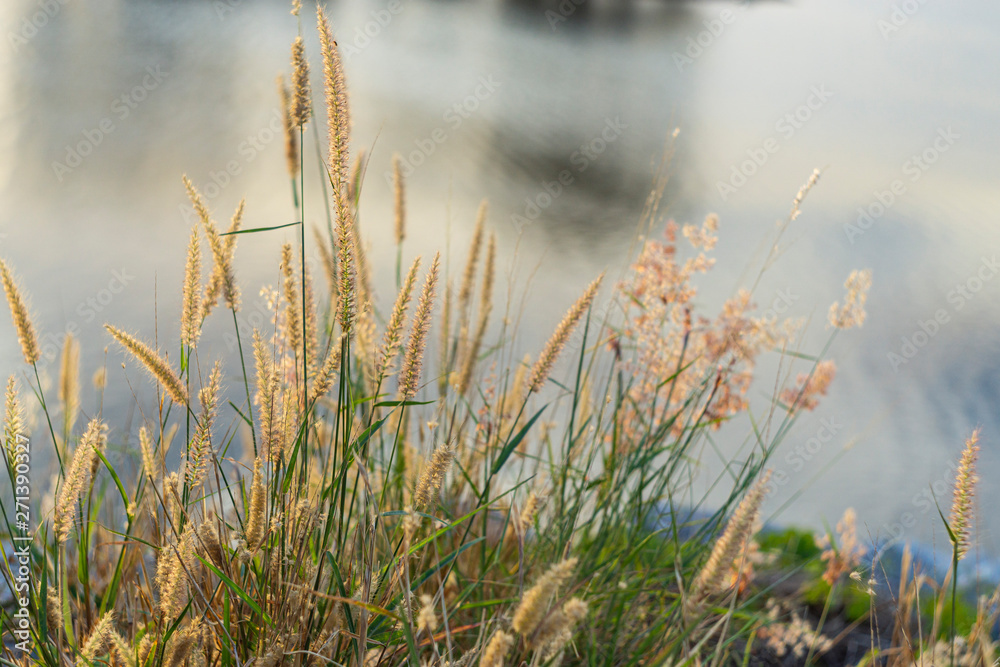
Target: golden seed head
{"points": [[256, 520], [13, 419], [540, 371], [302, 97], [433, 476], [337, 108], [536, 601], [155, 365], [426, 618], [400, 197], [291, 138], [409, 374], [485, 306], [739, 529], [150, 461], [397, 320], [78, 477], [19, 311], [69, 379], [497, 649], [191, 298], [200, 451], [100, 638], [469, 275], [961, 517]]}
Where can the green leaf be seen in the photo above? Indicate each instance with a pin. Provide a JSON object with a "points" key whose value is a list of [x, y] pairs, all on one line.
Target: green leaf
{"points": [[236, 589], [260, 229], [512, 444]]}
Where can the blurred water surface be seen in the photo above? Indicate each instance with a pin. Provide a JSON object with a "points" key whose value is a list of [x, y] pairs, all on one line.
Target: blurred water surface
{"points": [[558, 115]]}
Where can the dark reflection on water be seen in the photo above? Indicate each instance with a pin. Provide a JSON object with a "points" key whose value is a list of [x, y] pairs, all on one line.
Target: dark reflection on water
{"points": [[557, 89]]}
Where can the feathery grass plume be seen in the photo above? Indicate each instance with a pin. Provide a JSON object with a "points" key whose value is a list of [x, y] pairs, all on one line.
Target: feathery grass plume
{"points": [[291, 138], [100, 377], [337, 109], [267, 397], [53, 610], [123, 652], [347, 290], [399, 192], [13, 419], [150, 461], [540, 371], [176, 561], [852, 313], [485, 306], [426, 618], [155, 364], [433, 475], [200, 450], [293, 307], [409, 374], [535, 603], [209, 545], [296, 7], [531, 505], [216, 244], [323, 379], [191, 299], [69, 380], [497, 649], [181, 645], [364, 338], [172, 498], [960, 519], [256, 519], [224, 259], [302, 95], [78, 477], [397, 320], [100, 639], [311, 322], [362, 271], [556, 631], [712, 579], [19, 311], [469, 275]]}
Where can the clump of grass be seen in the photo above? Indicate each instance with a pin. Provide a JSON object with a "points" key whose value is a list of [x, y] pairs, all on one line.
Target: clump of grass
{"points": [[373, 521]]}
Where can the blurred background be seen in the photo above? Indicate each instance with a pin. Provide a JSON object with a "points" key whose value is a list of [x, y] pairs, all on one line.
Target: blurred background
{"points": [[104, 105]]}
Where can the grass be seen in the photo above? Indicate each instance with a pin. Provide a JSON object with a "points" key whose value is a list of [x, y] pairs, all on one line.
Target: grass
{"points": [[358, 508]]}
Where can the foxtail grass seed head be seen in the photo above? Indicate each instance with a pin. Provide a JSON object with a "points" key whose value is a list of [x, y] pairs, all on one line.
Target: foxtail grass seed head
{"points": [[712, 578], [471, 263], [433, 476], [961, 517], [535, 603], [256, 519], [69, 380], [191, 298], [13, 419], [852, 313], [426, 618], [557, 630], [485, 306], [397, 320], [328, 261], [346, 270], [19, 311], [100, 639], [323, 381], [155, 365], [78, 478], [409, 374], [540, 371], [302, 93], [497, 649], [293, 305], [209, 544], [200, 451], [122, 651], [296, 7], [150, 459], [337, 108], [400, 196]]}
